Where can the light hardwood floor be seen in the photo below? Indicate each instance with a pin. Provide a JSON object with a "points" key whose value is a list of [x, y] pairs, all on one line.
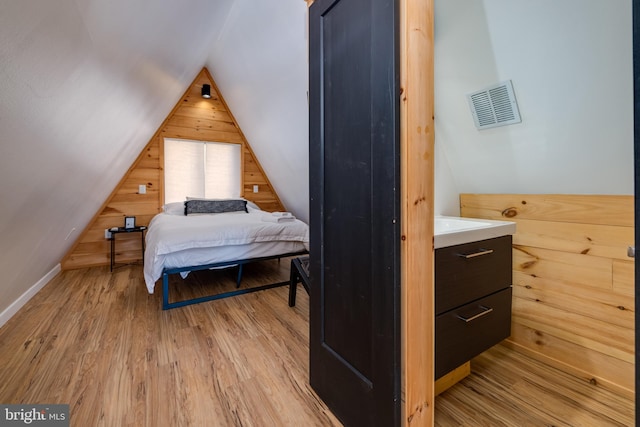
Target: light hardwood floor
{"points": [[509, 389], [97, 341]]}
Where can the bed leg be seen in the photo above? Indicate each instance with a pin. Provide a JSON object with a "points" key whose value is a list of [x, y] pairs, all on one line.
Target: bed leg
{"points": [[165, 291], [239, 276]]}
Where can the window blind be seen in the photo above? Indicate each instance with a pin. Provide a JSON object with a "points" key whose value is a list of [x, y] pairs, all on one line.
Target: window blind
{"points": [[201, 169]]}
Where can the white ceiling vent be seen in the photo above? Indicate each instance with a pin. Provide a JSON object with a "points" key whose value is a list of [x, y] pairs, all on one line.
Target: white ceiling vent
{"points": [[494, 106]]}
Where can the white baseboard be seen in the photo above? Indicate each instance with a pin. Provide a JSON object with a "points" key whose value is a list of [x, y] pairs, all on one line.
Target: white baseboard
{"points": [[24, 298]]}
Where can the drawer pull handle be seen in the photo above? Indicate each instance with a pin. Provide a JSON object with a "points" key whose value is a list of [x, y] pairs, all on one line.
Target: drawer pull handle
{"points": [[484, 312], [475, 254]]}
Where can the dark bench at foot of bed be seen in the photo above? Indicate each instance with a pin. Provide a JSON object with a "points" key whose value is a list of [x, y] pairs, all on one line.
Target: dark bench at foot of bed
{"points": [[299, 273]]}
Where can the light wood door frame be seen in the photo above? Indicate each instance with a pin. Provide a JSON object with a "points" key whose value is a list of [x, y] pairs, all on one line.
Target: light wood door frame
{"points": [[417, 209]]}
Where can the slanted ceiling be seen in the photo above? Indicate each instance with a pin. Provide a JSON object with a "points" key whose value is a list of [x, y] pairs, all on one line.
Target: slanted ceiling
{"points": [[194, 118]]}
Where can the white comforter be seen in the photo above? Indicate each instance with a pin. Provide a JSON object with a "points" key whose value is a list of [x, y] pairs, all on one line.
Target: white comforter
{"points": [[175, 234]]}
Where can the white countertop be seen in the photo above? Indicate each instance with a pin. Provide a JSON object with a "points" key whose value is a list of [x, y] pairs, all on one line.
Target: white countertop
{"points": [[450, 230]]}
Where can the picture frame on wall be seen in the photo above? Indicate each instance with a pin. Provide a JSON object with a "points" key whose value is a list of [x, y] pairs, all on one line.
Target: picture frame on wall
{"points": [[129, 222]]}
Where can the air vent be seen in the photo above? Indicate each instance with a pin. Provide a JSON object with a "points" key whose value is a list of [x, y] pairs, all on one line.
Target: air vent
{"points": [[494, 106]]}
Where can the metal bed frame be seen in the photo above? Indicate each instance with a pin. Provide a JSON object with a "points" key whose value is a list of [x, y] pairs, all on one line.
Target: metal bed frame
{"points": [[240, 263]]}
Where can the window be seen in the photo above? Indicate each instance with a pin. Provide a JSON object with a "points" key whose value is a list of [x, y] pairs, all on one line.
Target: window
{"points": [[201, 169]]}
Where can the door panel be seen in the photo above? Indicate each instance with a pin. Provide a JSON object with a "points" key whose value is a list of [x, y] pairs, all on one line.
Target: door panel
{"points": [[354, 210]]}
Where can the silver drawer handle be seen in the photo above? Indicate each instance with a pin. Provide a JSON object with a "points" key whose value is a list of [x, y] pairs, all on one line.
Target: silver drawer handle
{"points": [[484, 312], [475, 254]]}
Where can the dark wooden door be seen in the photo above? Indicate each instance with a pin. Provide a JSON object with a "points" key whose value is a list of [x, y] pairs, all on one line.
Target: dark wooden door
{"points": [[354, 209]]}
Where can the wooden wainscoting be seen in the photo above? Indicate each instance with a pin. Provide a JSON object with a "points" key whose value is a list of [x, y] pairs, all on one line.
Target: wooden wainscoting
{"points": [[573, 284], [195, 118]]}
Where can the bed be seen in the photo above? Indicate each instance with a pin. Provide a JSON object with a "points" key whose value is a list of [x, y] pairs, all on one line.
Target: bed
{"points": [[179, 242]]}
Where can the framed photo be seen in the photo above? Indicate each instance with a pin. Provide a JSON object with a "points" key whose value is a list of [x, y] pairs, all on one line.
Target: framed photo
{"points": [[129, 222]]}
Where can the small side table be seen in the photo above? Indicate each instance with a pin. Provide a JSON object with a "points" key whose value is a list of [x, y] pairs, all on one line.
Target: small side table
{"points": [[299, 273], [117, 230]]}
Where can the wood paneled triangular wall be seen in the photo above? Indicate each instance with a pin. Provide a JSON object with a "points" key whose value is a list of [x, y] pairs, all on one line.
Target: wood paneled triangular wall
{"points": [[192, 118]]}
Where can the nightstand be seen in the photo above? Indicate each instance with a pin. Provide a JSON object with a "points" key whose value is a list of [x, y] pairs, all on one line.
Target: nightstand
{"points": [[117, 230]]}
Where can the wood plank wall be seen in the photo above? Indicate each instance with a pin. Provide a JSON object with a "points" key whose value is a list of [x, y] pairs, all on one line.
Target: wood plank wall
{"points": [[193, 117], [573, 283]]}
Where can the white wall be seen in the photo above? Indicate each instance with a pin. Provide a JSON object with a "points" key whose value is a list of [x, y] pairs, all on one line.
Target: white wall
{"points": [[259, 62], [571, 66]]}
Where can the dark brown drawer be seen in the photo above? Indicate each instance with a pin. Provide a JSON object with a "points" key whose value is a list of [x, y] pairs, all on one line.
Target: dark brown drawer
{"points": [[465, 332], [467, 272]]}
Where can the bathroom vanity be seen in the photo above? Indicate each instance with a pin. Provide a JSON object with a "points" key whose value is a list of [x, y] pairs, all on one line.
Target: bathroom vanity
{"points": [[473, 274]]}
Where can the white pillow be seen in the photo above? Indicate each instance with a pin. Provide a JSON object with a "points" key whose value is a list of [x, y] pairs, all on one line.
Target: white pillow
{"points": [[175, 208], [252, 205]]}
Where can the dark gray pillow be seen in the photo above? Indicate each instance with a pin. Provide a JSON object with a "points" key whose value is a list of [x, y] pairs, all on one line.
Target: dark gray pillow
{"points": [[214, 206]]}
